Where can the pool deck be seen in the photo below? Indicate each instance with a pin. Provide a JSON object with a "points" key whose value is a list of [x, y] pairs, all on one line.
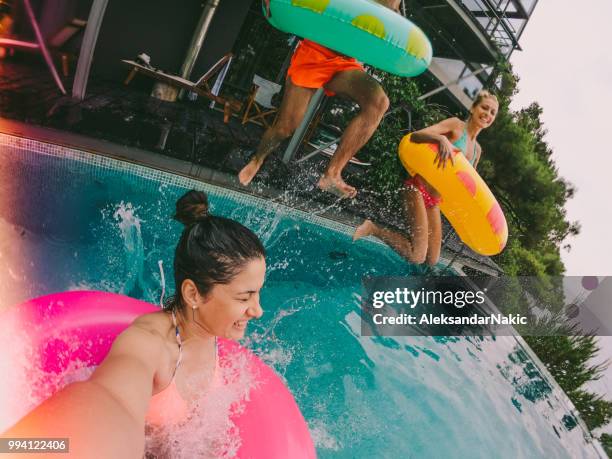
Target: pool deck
{"points": [[186, 138]]}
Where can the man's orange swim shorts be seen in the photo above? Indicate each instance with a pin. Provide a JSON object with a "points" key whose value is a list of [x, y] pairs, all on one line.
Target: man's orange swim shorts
{"points": [[313, 65]]}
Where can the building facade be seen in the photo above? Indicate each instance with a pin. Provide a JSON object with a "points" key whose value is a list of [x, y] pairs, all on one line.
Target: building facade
{"points": [[469, 38]]}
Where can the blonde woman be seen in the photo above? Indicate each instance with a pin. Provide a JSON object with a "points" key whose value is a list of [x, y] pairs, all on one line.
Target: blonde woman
{"points": [[421, 200]]}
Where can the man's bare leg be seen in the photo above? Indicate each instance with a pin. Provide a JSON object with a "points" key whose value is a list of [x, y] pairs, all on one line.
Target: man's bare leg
{"points": [[292, 109], [365, 91]]}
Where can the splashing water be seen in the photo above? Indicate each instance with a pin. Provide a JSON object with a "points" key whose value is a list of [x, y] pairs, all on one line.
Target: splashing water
{"points": [[131, 234], [208, 431], [265, 223], [25, 385]]}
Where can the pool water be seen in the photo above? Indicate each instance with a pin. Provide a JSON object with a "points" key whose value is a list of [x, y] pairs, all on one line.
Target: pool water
{"points": [[71, 220]]}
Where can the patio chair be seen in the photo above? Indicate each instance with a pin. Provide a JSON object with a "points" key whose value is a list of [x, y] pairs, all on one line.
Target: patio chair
{"points": [[64, 35], [200, 87], [259, 104]]}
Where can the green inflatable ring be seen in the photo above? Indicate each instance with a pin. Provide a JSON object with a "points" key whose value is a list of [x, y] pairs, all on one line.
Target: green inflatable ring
{"points": [[363, 29]]}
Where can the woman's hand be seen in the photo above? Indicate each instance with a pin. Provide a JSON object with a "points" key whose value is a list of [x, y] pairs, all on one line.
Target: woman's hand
{"points": [[445, 152], [440, 133]]}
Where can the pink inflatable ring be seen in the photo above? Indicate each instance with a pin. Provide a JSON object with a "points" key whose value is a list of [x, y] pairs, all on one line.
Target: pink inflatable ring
{"points": [[50, 334]]}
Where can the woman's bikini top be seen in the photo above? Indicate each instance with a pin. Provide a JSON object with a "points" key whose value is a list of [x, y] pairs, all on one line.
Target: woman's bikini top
{"points": [[167, 406], [461, 143]]}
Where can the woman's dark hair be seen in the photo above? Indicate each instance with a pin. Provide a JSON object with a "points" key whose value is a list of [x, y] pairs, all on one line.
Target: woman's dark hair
{"points": [[211, 250]]}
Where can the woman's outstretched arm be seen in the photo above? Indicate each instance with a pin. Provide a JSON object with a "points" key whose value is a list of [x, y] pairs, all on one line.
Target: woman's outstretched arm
{"points": [[103, 417]]}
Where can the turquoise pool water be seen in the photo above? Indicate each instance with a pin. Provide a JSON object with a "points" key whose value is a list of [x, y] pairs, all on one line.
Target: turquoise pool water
{"points": [[70, 220]]}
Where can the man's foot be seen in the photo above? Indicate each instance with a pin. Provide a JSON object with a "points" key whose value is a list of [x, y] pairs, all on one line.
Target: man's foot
{"points": [[363, 230], [249, 171], [337, 186]]}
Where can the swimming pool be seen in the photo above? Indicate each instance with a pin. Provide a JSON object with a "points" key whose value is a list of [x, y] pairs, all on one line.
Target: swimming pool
{"points": [[73, 220]]}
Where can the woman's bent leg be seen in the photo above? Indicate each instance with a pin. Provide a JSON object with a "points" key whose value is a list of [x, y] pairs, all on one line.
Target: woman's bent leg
{"points": [[414, 249], [435, 236]]}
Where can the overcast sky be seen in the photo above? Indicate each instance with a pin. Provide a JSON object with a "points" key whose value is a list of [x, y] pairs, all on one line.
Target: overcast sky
{"points": [[566, 66]]}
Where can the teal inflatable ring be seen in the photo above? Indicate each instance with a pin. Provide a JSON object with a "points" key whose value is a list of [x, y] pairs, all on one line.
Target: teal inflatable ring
{"points": [[363, 29]]}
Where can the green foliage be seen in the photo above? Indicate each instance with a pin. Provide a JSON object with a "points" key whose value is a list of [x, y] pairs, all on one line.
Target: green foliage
{"points": [[517, 164], [567, 358], [517, 260], [606, 442], [594, 410]]}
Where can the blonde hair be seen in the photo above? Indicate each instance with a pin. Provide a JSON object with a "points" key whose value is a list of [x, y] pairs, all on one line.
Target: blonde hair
{"points": [[482, 95]]}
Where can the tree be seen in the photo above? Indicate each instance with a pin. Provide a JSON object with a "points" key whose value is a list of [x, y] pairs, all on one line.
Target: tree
{"points": [[518, 166], [606, 442], [594, 410]]}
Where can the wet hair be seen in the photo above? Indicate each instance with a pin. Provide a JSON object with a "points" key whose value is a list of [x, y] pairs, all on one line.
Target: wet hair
{"points": [[212, 250], [482, 95]]}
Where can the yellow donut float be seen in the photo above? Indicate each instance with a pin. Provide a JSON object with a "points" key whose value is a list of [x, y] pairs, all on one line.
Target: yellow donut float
{"points": [[467, 202]]}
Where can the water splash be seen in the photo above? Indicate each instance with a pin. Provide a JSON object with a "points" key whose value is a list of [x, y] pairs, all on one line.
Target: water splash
{"points": [[14, 270], [128, 224], [24, 385], [264, 223], [13, 373], [322, 438], [208, 431], [160, 263]]}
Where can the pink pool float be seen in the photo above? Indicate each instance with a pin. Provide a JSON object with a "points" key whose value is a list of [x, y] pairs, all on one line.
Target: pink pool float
{"points": [[53, 334]]}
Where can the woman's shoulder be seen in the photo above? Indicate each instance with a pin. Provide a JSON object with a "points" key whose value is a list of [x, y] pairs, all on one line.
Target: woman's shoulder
{"points": [[453, 127], [137, 355], [452, 124], [456, 123], [146, 340], [146, 334], [154, 323]]}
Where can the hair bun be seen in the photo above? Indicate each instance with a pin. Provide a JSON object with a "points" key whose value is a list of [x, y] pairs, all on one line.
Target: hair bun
{"points": [[192, 207]]}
